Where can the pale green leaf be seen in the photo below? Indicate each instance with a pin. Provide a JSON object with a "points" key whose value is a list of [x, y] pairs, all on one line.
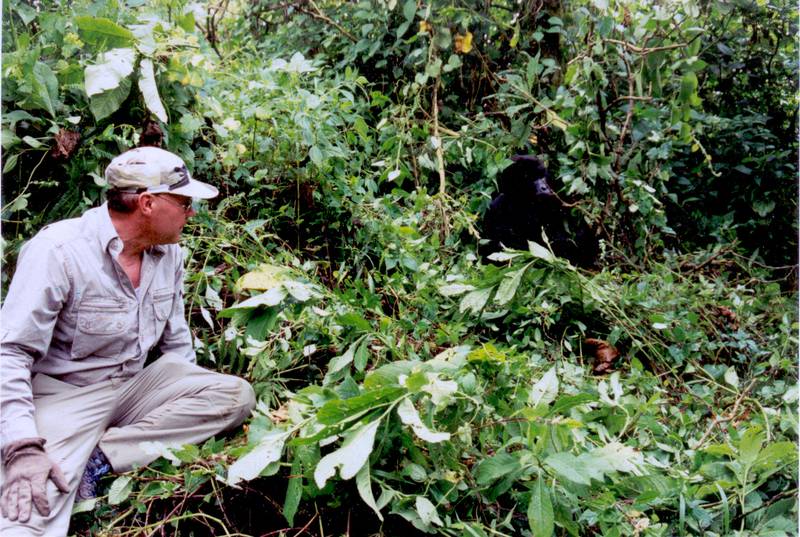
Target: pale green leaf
{"points": [[503, 256], [267, 451], [750, 445], [455, 289], [508, 287], [537, 250], [619, 457], [440, 390], [364, 486], [427, 511], [540, 511], [350, 457], [567, 465], [149, 89], [474, 301], [545, 390], [111, 69], [410, 416], [731, 377], [120, 490], [273, 297]]}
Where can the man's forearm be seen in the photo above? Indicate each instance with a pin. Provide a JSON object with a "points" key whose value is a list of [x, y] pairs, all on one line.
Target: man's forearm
{"points": [[16, 398]]}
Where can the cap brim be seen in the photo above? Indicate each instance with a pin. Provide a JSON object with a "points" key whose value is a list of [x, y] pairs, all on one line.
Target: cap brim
{"points": [[196, 189]]}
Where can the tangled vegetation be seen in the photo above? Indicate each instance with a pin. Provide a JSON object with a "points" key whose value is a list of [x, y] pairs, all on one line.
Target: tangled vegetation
{"points": [[408, 386]]}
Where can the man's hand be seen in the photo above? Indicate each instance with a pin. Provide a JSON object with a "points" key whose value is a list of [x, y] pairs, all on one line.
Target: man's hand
{"points": [[27, 468]]}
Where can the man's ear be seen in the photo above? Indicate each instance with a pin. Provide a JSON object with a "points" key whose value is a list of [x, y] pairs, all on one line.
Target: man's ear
{"points": [[145, 203]]}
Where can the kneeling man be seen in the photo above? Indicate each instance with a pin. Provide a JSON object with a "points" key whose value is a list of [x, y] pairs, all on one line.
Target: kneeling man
{"points": [[90, 298]]}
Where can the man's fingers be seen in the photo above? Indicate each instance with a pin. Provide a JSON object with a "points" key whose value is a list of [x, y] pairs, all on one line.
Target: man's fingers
{"points": [[3, 502], [11, 501], [38, 487], [24, 500], [58, 478]]}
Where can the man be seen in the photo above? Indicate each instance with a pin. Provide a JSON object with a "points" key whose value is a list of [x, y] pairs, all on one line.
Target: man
{"points": [[90, 298]]}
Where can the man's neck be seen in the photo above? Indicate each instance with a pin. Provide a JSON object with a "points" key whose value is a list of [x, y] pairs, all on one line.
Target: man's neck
{"points": [[129, 230]]}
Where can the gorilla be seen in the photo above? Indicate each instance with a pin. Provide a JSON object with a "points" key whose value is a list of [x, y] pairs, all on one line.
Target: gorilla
{"points": [[526, 206]]}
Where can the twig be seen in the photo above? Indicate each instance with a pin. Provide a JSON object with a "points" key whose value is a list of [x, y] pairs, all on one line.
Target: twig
{"points": [[644, 50], [318, 14], [732, 414]]}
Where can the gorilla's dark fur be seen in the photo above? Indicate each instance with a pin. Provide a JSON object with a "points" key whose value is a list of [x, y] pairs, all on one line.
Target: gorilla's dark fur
{"points": [[525, 206]]}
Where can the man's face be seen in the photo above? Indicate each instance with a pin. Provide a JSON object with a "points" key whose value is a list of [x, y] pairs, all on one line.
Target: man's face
{"points": [[170, 213]]}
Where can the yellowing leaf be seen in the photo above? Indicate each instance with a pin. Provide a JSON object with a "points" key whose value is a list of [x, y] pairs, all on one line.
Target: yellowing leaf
{"points": [[463, 43], [424, 26], [265, 277]]}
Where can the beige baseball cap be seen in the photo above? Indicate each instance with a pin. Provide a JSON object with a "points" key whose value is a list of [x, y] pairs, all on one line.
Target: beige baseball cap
{"points": [[151, 169]]}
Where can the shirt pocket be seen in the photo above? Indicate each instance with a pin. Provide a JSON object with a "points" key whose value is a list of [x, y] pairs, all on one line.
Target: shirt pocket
{"points": [[162, 308], [99, 329]]}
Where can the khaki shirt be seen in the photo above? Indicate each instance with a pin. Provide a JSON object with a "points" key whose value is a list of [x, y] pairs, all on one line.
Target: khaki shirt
{"points": [[72, 313]]}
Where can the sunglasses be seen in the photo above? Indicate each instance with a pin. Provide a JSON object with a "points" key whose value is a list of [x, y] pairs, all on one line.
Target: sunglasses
{"points": [[186, 205]]}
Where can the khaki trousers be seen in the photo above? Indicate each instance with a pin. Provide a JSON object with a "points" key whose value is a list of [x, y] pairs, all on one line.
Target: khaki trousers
{"points": [[171, 401]]}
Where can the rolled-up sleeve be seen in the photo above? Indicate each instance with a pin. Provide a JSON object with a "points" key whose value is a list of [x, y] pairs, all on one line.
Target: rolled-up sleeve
{"points": [[177, 338], [37, 294]]}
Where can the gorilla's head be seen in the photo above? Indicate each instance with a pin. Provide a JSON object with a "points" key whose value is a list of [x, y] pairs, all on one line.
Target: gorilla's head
{"points": [[526, 180]]}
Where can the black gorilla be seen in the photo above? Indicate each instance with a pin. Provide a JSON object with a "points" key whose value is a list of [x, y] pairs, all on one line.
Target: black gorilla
{"points": [[525, 207]]}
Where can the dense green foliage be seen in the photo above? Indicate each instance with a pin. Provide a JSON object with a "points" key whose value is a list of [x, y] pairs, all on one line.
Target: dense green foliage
{"points": [[405, 385]]}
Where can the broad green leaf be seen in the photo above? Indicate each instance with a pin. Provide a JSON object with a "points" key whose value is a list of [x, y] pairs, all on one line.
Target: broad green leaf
{"points": [[108, 102], [537, 250], [31, 141], [102, 32], [273, 297], [267, 451], [619, 457], [302, 292], [540, 511], [493, 468], [427, 511], [338, 410], [361, 356], [364, 486], [338, 363], [120, 490], [10, 162], [504, 256], [149, 89], [750, 445], [349, 458], [566, 402], [474, 301], [455, 289], [316, 156], [440, 390], [111, 69], [731, 377], [508, 287], [294, 491], [410, 416], [775, 454], [410, 9], [45, 88], [545, 390], [566, 465]]}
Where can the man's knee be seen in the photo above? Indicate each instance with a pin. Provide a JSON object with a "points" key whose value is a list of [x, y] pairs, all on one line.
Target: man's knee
{"points": [[240, 399]]}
